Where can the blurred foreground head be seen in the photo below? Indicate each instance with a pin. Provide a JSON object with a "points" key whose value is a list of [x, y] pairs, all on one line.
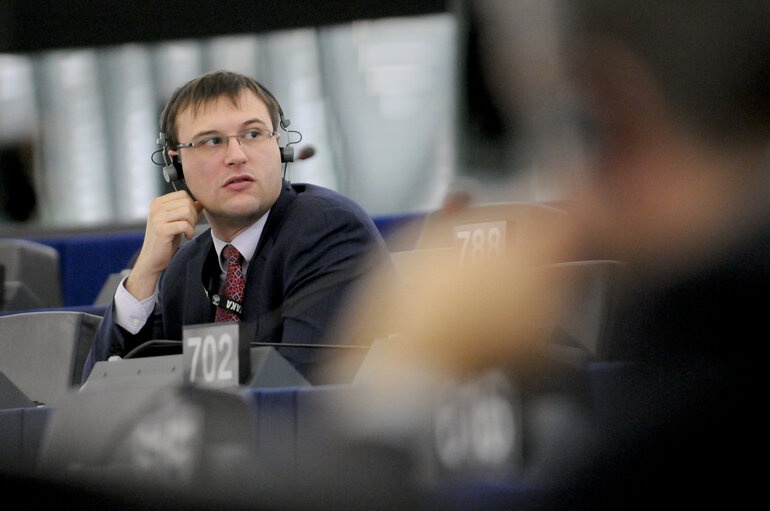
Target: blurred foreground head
{"points": [[677, 101], [674, 102]]}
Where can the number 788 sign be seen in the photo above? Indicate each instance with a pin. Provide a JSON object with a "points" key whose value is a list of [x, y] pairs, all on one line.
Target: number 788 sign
{"points": [[480, 242]]}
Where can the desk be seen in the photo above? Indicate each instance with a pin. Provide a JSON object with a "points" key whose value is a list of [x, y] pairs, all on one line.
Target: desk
{"points": [[302, 444], [21, 434]]}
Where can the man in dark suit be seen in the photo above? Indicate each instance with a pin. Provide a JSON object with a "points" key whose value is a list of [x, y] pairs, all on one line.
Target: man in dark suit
{"points": [[302, 247]]}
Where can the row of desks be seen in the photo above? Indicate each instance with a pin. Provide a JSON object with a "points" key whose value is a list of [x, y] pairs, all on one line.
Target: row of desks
{"points": [[290, 444]]}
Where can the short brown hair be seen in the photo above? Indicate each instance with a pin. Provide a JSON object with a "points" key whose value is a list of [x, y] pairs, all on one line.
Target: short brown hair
{"points": [[210, 86]]}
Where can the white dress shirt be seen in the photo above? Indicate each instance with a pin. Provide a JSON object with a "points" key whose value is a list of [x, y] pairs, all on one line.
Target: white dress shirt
{"points": [[132, 314]]}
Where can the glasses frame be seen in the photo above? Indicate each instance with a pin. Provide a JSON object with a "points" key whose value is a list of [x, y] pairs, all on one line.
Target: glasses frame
{"points": [[237, 136]]}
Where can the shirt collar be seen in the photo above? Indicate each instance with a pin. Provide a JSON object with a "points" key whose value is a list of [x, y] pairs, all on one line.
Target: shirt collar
{"points": [[246, 242]]}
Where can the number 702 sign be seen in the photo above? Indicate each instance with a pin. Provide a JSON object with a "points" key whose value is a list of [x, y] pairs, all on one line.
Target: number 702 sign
{"points": [[215, 354]]}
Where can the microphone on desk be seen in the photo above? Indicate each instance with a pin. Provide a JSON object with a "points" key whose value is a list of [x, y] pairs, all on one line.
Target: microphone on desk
{"points": [[255, 344], [156, 347], [265, 367]]}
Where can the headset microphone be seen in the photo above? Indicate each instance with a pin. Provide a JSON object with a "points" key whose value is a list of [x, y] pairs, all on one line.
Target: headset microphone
{"points": [[306, 152]]}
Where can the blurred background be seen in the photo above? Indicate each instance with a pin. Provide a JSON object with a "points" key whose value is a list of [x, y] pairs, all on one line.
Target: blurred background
{"points": [[391, 98]]}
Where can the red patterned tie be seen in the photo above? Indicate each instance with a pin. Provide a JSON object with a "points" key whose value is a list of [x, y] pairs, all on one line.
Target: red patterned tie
{"points": [[234, 284]]}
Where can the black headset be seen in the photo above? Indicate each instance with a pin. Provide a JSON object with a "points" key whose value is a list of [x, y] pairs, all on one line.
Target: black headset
{"points": [[172, 167]]}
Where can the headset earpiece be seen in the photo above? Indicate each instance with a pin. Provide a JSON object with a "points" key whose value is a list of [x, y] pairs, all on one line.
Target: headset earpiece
{"points": [[287, 154], [172, 168], [173, 171], [287, 151]]}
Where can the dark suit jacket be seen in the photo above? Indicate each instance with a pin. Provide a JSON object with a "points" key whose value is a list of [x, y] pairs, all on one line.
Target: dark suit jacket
{"points": [[316, 244]]}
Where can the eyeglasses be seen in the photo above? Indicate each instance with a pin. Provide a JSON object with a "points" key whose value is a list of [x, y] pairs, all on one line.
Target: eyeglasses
{"points": [[215, 143]]}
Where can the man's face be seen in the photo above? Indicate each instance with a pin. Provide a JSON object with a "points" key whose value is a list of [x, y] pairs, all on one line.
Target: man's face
{"points": [[239, 184]]}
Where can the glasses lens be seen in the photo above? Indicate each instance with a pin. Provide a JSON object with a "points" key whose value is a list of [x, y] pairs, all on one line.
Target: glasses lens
{"points": [[253, 137], [210, 144]]}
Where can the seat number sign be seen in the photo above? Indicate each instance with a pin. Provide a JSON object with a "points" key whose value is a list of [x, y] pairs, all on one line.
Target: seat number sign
{"points": [[212, 355], [478, 243]]}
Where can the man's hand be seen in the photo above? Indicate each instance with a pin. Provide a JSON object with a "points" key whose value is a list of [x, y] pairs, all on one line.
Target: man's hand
{"points": [[171, 215]]}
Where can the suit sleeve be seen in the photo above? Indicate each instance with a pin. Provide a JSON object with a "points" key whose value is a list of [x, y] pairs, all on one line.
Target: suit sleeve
{"points": [[111, 339]]}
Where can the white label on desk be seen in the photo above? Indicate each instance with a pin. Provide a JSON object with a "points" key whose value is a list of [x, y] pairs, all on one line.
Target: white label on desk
{"points": [[480, 242], [210, 354]]}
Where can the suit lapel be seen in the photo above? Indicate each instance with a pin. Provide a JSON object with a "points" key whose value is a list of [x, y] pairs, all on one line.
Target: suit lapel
{"points": [[275, 218], [197, 305]]}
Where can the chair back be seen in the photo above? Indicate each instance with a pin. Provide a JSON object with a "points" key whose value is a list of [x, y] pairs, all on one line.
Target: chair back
{"points": [[589, 290], [32, 275], [489, 229], [43, 352]]}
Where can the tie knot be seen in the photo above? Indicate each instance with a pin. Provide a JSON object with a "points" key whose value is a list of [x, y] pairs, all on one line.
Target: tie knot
{"points": [[231, 254]]}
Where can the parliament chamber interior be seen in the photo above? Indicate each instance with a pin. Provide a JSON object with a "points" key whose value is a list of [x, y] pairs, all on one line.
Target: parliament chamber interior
{"points": [[498, 366]]}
